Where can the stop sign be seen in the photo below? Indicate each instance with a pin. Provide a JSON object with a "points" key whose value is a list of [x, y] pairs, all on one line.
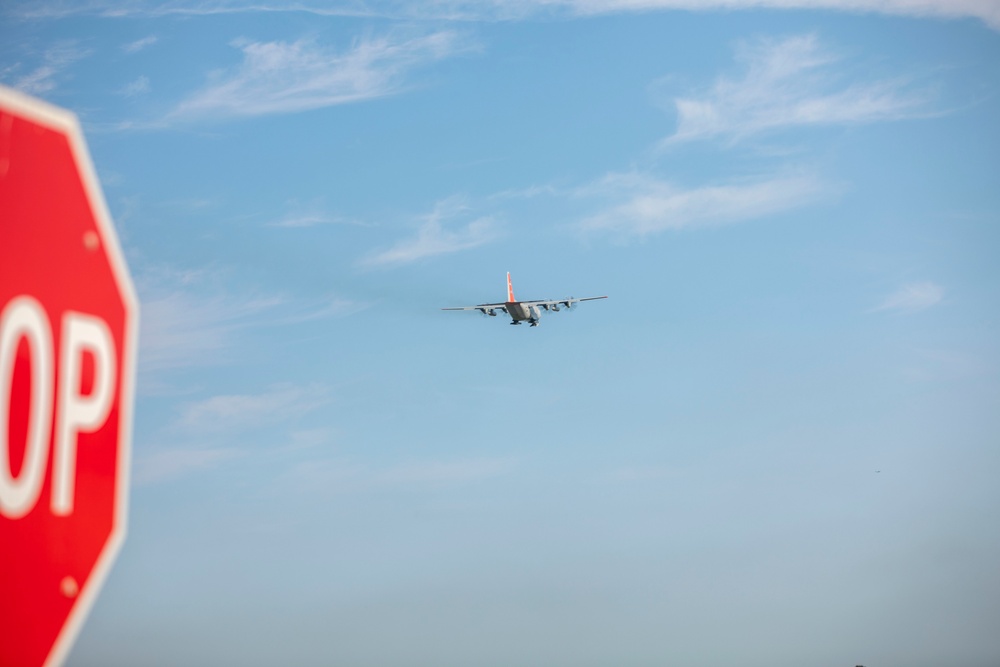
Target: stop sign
{"points": [[68, 321]]}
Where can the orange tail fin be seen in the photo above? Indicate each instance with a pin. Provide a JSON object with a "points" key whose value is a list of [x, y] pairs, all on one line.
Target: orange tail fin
{"points": [[510, 289]]}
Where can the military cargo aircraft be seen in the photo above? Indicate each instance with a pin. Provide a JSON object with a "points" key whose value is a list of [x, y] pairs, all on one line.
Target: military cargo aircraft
{"points": [[524, 311]]}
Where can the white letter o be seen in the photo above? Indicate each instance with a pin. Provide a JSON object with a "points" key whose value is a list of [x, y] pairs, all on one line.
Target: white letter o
{"points": [[24, 317]]}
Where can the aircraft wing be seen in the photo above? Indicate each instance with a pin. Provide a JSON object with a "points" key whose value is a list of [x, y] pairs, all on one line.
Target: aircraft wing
{"points": [[485, 308], [555, 304]]}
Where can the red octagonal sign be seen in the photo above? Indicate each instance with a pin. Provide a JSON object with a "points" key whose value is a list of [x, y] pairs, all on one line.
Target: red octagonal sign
{"points": [[68, 319]]}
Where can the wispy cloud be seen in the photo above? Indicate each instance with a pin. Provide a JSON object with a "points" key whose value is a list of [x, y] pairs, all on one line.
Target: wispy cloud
{"points": [[140, 44], [215, 430], [435, 238], [911, 298], [166, 463], [46, 76], [311, 214], [190, 318], [59, 9], [986, 10], [639, 204], [312, 220], [496, 10], [281, 77], [235, 413], [136, 88], [791, 83]]}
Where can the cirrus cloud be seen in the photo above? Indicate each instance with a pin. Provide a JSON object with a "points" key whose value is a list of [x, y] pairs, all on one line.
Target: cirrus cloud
{"points": [[986, 10], [640, 204], [497, 10], [912, 298], [50, 72], [791, 83], [283, 77], [435, 238], [140, 44]]}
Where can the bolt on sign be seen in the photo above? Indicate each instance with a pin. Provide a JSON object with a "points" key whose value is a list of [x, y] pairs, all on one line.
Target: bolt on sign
{"points": [[68, 323]]}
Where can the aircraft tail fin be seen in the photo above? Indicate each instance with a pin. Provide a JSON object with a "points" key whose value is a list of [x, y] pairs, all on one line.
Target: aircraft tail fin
{"points": [[510, 289]]}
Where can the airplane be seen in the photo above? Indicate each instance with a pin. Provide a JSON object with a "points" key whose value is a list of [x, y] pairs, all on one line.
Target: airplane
{"points": [[524, 311]]}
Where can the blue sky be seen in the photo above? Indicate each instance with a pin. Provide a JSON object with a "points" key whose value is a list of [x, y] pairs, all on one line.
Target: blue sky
{"points": [[777, 442]]}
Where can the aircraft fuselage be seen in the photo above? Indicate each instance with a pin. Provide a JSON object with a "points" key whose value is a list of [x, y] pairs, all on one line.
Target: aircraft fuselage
{"points": [[520, 313]]}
